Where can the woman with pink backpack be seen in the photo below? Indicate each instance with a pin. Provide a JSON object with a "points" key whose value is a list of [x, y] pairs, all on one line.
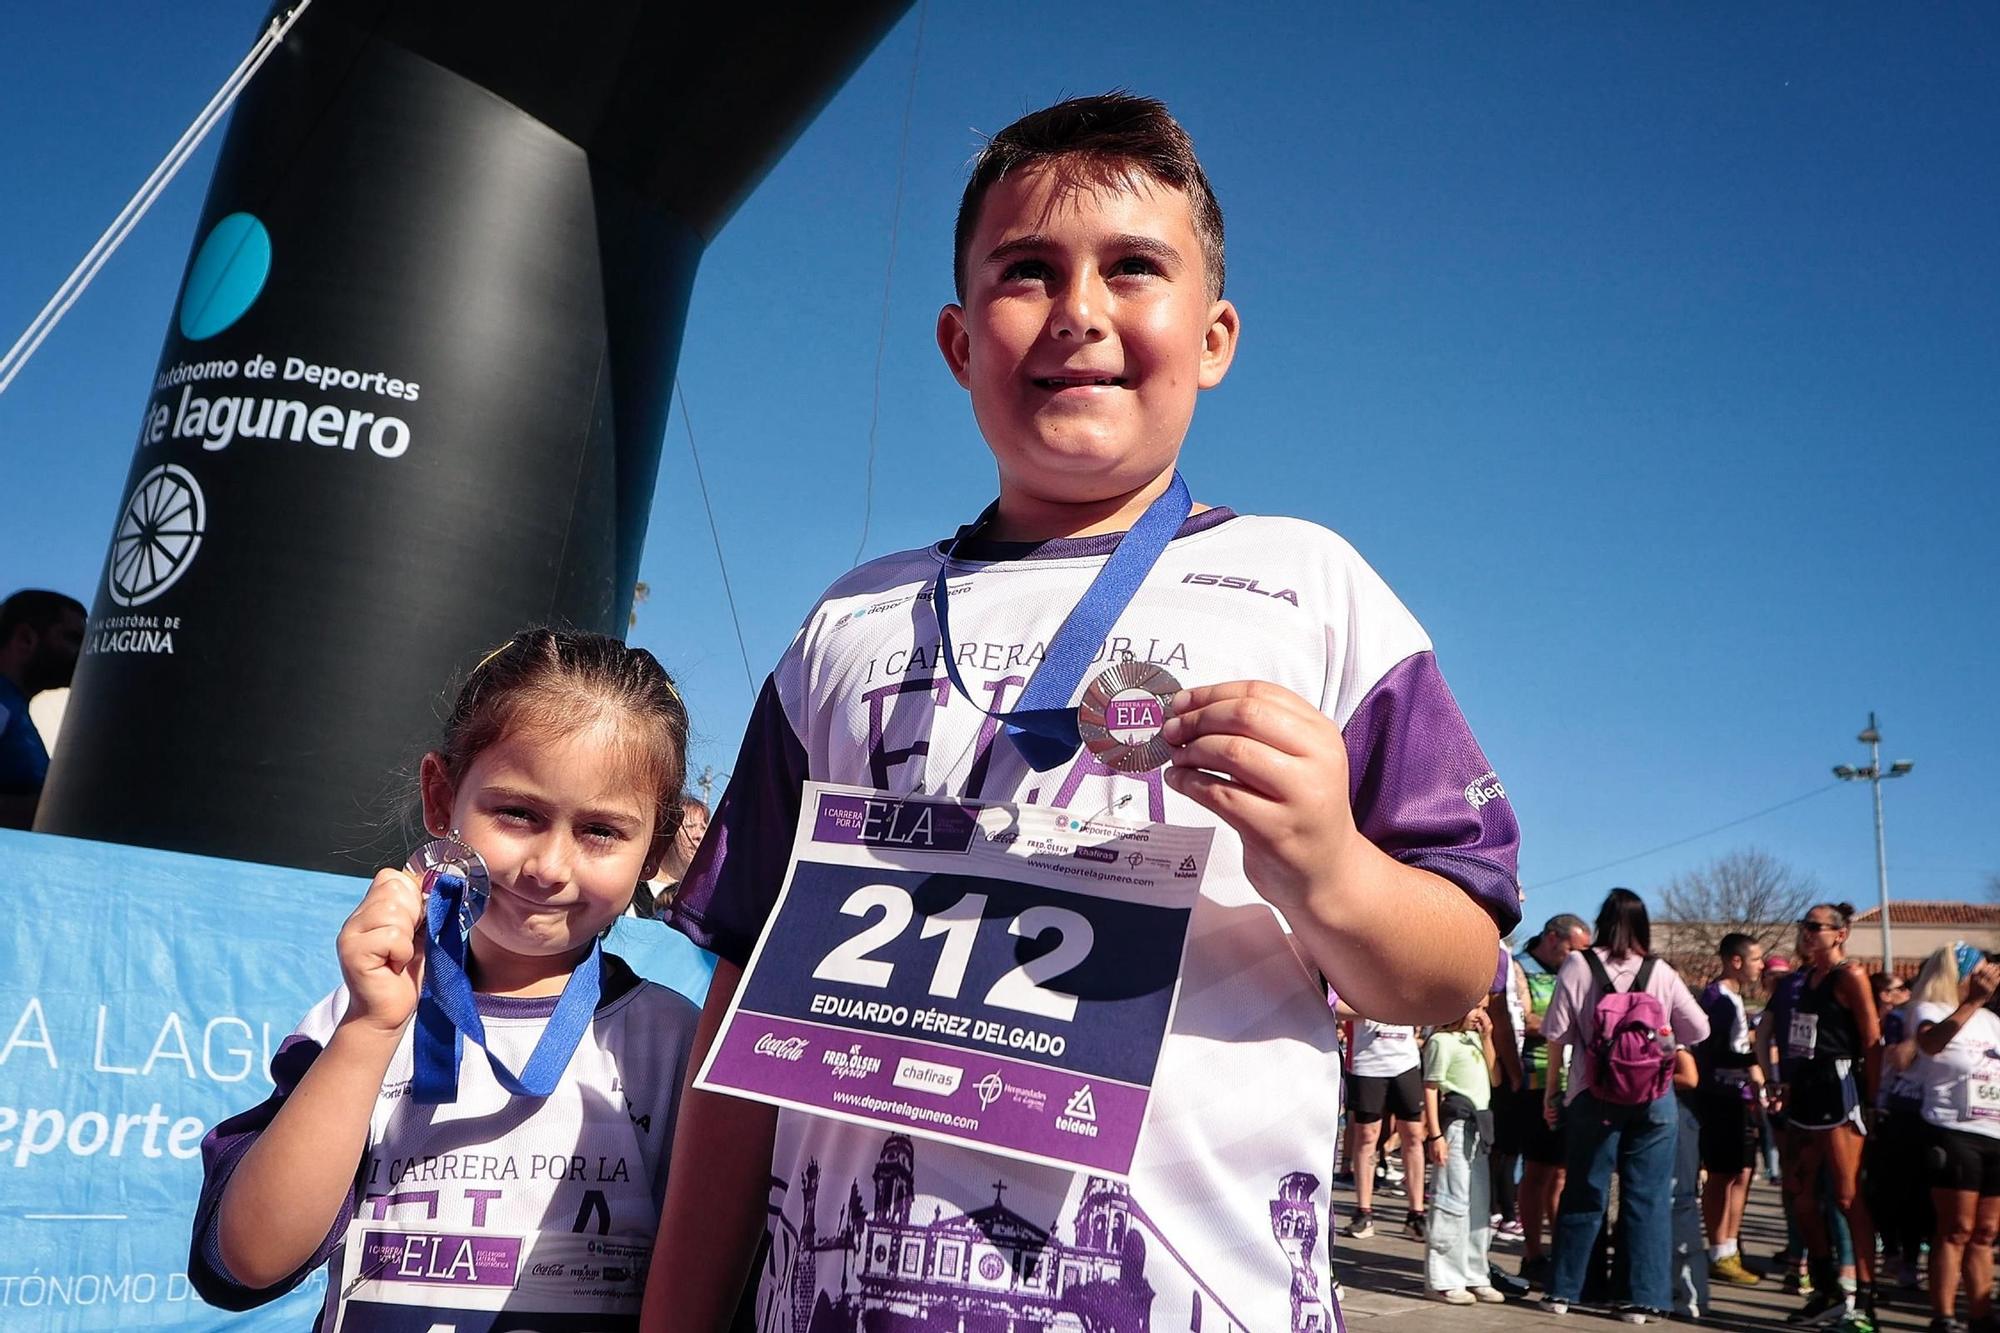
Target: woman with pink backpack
{"points": [[1622, 1014]]}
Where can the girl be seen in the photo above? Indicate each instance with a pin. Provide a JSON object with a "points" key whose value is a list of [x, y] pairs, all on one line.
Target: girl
{"points": [[1458, 1134], [1636, 1140], [1893, 1168], [1831, 1038], [561, 766], [1952, 1055]]}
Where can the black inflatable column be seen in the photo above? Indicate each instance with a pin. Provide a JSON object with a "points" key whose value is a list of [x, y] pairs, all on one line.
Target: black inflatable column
{"points": [[413, 393]]}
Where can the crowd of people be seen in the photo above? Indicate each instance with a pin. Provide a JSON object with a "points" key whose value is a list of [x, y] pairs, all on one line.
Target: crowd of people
{"points": [[1873, 1103]]}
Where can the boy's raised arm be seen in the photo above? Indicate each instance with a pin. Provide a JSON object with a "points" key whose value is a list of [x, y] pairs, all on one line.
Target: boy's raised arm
{"points": [[718, 1188], [1403, 944]]}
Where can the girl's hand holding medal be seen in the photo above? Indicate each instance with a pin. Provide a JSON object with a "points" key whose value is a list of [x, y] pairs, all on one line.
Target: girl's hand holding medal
{"points": [[381, 954]]}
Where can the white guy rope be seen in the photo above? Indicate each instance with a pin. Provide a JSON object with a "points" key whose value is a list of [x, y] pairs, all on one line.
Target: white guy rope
{"points": [[128, 217]]}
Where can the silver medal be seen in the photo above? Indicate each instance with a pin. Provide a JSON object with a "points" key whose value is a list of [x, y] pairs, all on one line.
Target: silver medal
{"points": [[454, 856], [1122, 713]]}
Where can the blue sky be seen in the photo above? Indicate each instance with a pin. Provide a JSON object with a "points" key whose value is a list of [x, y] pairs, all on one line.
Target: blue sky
{"points": [[1649, 353]]}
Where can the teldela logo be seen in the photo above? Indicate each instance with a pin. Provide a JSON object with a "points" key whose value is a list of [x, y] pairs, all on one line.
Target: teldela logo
{"points": [[227, 276]]}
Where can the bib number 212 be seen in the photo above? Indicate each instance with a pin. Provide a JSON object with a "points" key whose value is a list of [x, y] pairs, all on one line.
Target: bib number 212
{"points": [[1024, 989]]}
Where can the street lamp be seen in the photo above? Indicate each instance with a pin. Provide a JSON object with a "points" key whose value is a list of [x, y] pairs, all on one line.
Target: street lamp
{"points": [[1872, 773]]}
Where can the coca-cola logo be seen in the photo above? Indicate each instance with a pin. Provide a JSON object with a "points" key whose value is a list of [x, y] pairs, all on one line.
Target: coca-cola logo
{"points": [[781, 1048]]}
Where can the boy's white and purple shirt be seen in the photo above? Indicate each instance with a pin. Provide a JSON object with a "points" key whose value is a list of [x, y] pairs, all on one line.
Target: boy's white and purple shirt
{"points": [[1225, 1221]]}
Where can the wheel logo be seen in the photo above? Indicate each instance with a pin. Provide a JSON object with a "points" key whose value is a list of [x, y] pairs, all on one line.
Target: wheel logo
{"points": [[158, 535]]}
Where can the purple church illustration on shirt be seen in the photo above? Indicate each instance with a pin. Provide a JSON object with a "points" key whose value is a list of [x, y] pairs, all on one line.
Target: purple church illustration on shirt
{"points": [[991, 1270]]}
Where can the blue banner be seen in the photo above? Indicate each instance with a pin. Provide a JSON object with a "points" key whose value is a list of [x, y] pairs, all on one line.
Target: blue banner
{"points": [[141, 996]]}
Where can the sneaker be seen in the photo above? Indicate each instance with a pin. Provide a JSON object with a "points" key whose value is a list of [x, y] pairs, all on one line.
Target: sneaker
{"points": [[1943, 1325], [1633, 1314], [1344, 1179], [1798, 1284], [1822, 1307], [1361, 1228], [1550, 1305], [1538, 1270], [1730, 1269], [1413, 1226], [1455, 1296], [1509, 1230], [1505, 1283], [1488, 1296], [1856, 1320]]}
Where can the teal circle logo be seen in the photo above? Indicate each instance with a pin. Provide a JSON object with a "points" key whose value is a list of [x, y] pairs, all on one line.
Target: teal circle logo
{"points": [[228, 274]]}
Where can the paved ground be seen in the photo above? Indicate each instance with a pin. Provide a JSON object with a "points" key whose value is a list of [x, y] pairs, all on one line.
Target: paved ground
{"points": [[1384, 1281]]}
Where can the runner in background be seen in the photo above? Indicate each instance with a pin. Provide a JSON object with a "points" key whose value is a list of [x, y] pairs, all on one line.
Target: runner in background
{"points": [[1539, 1143], [1507, 1016], [1894, 1167], [1726, 1105], [1384, 1081], [1952, 1053], [1833, 1039], [1458, 1069]]}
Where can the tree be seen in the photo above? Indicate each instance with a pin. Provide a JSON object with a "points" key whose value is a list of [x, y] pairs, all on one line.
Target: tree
{"points": [[1748, 890]]}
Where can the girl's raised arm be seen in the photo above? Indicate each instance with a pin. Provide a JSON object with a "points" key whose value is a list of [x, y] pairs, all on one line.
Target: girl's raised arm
{"points": [[287, 1192]]}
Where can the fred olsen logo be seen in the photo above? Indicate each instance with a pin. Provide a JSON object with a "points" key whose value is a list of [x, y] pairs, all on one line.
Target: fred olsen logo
{"points": [[1486, 787], [781, 1048], [851, 1063]]}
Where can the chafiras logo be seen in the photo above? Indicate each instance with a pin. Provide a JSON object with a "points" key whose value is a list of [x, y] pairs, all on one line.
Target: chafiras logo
{"points": [[227, 276]]}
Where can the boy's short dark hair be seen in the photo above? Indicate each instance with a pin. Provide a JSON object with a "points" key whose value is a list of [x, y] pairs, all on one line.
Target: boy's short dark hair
{"points": [[1098, 141], [37, 608], [1735, 944]]}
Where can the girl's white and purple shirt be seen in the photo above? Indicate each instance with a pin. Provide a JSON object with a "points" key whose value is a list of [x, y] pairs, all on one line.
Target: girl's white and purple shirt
{"points": [[1226, 1217], [494, 1209]]}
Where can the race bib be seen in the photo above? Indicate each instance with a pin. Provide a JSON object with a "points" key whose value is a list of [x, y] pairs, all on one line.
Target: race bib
{"points": [[402, 1279], [994, 975], [1979, 1093], [1803, 1037]]}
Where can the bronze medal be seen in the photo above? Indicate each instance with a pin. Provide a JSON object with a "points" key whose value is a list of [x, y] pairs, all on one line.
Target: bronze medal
{"points": [[1122, 713]]}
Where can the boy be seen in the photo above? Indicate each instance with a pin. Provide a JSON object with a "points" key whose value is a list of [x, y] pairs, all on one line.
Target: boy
{"points": [[1726, 1105], [1089, 269]]}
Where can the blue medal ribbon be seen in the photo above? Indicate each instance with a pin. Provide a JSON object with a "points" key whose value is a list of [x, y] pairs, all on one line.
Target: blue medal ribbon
{"points": [[447, 1012], [1042, 724]]}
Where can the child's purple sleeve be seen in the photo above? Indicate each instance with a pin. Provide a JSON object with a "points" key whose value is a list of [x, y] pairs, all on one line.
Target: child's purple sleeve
{"points": [[1423, 792], [733, 884], [220, 1152]]}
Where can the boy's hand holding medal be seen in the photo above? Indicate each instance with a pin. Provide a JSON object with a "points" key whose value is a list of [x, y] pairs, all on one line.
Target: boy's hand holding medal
{"points": [[1274, 768]]}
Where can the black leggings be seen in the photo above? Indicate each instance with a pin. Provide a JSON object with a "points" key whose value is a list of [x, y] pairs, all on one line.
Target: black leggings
{"points": [[1897, 1183], [1502, 1167]]}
